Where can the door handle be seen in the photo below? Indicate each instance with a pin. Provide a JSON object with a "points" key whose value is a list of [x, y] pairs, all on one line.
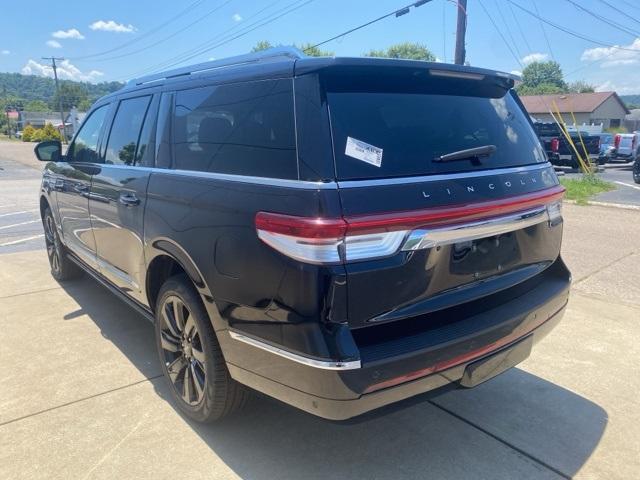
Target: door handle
{"points": [[129, 199]]}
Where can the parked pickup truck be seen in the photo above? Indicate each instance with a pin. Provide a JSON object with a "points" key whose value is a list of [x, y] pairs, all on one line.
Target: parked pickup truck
{"points": [[558, 149], [625, 147]]}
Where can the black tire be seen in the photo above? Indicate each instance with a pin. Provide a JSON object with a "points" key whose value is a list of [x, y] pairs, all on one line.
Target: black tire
{"points": [[190, 355], [636, 171], [61, 267]]}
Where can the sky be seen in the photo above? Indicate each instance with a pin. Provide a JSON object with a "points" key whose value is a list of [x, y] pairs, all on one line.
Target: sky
{"points": [[123, 39]]}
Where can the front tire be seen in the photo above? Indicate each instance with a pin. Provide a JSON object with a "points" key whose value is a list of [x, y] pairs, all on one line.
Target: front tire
{"points": [[190, 355], [61, 267]]}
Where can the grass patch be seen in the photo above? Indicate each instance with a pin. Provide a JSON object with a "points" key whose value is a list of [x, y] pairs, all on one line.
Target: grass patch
{"points": [[583, 188]]}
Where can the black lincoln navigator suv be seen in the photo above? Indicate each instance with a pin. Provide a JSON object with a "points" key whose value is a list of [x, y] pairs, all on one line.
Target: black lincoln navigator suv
{"points": [[338, 233]]}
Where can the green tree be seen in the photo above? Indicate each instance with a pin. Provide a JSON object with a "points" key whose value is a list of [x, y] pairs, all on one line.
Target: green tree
{"points": [[27, 133], [541, 89], [262, 45], [407, 50], [307, 48], [548, 74], [36, 106], [73, 94], [580, 86]]}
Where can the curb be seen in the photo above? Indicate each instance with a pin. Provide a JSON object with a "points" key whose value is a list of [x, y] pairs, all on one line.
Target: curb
{"points": [[623, 206]]}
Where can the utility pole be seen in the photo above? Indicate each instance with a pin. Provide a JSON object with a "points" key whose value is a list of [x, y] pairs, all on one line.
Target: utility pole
{"points": [[461, 32], [55, 77]]}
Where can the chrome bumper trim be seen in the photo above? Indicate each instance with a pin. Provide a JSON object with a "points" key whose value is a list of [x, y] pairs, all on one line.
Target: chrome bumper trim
{"points": [[311, 362], [437, 236]]}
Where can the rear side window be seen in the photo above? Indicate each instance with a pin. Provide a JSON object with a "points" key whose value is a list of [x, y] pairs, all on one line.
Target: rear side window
{"points": [[389, 134], [122, 147], [242, 129]]}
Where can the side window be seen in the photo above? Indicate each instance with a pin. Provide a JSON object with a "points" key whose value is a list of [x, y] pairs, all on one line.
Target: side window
{"points": [[85, 146], [125, 131], [242, 129]]}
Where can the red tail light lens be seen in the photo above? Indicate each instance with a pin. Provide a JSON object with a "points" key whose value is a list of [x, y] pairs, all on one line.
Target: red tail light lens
{"points": [[339, 240], [616, 141], [555, 145]]}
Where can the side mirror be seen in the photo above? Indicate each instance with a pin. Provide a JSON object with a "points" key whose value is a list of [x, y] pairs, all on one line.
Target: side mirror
{"points": [[49, 151]]}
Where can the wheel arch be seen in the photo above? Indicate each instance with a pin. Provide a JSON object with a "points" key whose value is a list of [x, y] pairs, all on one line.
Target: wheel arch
{"points": [[170, 259]]}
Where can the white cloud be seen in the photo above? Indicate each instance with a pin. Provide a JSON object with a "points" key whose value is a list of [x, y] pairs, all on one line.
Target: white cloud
{"points": [[112, 26], [237, 17], [66, 71], [535, 57], [71, 33], [516, 72], [53, 44], [614, 57], [626, 87], [5, 52]]}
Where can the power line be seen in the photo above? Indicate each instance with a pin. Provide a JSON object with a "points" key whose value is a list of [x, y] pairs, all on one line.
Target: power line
{"points": [[208, 42], [144, 35], [626, 14], [500, 33], [524, 37], [571, 32], [544, 32], [630, 4], [398, 12], [506, 26], [611, 23], [245, 32], [162, 40]]}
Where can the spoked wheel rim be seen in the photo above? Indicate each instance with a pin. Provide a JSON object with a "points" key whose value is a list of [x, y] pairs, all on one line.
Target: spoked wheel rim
{"points": [[182, 350], [50, 241]]}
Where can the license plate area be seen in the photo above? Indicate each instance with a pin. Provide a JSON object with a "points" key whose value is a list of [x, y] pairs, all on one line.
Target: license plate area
{"points": [[482, 370]]}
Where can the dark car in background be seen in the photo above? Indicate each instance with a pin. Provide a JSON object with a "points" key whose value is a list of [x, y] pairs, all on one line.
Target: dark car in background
{"points": [[338, 233], [559, 150]]}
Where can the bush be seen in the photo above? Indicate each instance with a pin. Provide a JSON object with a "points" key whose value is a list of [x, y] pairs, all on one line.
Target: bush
{"points": [[27, 133], [37, 135], [49, 132]]}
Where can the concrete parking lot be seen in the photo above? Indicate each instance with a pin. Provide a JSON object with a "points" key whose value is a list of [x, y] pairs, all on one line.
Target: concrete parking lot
{"points": [[81, 394]]}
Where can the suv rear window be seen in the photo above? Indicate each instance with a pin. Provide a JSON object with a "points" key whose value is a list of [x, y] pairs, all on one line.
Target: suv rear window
{"points": [[406, 131]]}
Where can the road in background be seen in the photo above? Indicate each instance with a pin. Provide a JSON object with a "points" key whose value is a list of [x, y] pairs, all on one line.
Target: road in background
{"points": [[626, 192], [20, 175]]}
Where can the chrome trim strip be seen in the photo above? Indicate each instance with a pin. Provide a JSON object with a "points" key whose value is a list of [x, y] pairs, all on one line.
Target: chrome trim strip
{"points": [[311, 362], [308, 185], [440, 177], [432, 237]]}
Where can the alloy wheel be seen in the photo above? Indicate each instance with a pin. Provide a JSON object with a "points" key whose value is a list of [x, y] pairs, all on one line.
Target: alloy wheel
{"points": [[51, 244], [182, 350]]}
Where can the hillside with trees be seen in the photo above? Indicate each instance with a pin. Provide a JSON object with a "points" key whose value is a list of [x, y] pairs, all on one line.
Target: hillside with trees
{"points": [[31, 92]]}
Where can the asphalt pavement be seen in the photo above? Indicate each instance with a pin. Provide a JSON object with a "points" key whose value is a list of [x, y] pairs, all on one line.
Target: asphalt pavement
{"points": [[81, 395], [627, 192]]}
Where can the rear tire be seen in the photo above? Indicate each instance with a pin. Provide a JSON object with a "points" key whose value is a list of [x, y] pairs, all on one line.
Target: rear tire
{"points": [[636, 171], [190, 355], [62, 268]]}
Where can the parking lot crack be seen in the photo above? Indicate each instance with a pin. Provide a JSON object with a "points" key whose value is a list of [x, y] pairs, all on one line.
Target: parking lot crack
{"points": [[502, 441]]}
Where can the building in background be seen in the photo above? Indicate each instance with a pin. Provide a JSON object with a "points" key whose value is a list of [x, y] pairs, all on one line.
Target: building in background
{"points": [[596, 108]]}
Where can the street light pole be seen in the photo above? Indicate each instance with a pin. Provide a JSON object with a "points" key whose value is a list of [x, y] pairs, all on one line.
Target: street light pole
{"points": [[461, 31], [55, 77]]}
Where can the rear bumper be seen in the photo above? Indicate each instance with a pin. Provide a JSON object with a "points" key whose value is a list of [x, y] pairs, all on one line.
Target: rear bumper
{"points": [[334, 409], [400, 368]]}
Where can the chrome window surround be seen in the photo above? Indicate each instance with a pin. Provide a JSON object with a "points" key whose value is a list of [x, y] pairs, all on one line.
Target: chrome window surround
{"points": [[464, 232], [309, 185], [310, 362]]}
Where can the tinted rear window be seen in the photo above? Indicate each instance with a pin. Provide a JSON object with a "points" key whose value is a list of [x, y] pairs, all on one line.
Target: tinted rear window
{"points": [[242, 129], [407, 131]]}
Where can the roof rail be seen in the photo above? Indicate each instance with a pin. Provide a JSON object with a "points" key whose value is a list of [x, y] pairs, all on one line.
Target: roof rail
{"points": [[264, 55]]}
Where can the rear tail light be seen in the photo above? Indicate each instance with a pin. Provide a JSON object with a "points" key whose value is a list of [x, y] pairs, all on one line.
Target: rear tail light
{"points": [[555, 145], [341, 240], [616, 141]]}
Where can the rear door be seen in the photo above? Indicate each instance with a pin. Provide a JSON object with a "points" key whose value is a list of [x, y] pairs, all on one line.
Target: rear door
{"points": [[72, 184], [118, 193], [431, 226]]}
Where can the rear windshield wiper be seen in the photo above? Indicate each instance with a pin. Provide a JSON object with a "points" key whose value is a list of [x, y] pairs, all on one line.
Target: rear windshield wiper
{"points": [[468, 154]]}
